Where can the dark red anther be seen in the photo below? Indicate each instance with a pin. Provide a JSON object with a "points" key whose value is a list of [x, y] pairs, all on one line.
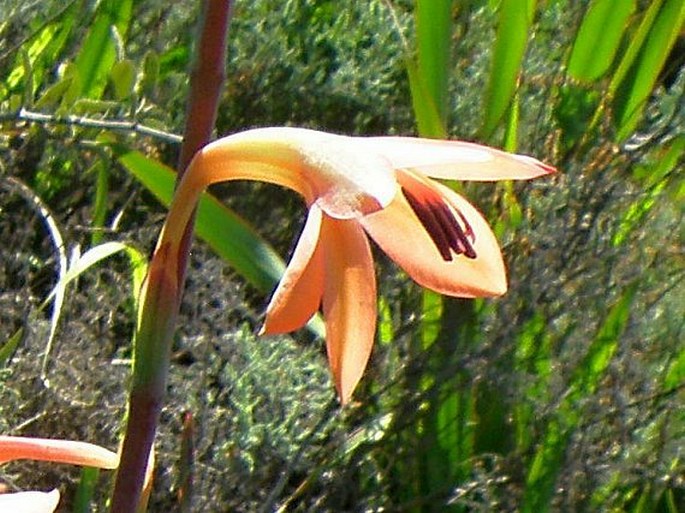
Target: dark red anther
{"points": [[440, 221]]}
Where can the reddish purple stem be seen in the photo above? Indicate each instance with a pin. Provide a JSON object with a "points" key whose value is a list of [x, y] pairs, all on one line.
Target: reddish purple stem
{"points": [[145, 402]]}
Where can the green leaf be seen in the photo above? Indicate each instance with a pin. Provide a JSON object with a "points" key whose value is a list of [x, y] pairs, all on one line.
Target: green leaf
{"points": [[589, 372], [54, 94], [85, 490], [8, 348], [426, 111], [433, 41], [123, 77], [42, 50], [99, 214], [98, 52], [98, 253], [657, 39], [515, 17], [656, 179], [150, 75], [598, 39], [573, 112], [547, 461]]}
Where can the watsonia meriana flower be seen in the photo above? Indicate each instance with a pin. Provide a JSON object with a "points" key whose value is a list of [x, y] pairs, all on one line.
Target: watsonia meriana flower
{"points": [[356, 187]]}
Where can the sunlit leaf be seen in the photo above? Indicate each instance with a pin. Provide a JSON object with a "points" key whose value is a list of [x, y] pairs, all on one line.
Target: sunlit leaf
{"points": [[598, 39], [546, 463], [515, 17], [123, 77], [433, 43], [657, 38], [98, 51]]}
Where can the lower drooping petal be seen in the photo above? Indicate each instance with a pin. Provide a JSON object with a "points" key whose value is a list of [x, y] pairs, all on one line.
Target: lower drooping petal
{"points": [[398, 231], [298, 295], [349, 302]]}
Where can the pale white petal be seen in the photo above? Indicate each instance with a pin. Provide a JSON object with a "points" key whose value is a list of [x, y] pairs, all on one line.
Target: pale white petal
{"points": [[455, 160], [29, 502]]}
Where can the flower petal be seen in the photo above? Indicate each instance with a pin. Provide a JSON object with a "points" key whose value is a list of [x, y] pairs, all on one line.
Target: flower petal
{"points": [[398, 231], [59, 451], [30, 502], [327, 168], [299, 292], [349, 302], [455, 160]]}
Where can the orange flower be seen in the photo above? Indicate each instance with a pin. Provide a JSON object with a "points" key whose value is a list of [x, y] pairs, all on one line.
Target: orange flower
{"points": [[354, 187], [58, 451]]}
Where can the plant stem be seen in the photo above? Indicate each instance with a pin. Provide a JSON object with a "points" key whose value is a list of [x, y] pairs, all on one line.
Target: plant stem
{"points": [[162, 293]]}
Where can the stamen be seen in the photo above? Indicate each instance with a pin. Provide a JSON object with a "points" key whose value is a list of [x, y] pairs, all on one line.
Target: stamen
{"points": [[439, 219], [431, 223]]}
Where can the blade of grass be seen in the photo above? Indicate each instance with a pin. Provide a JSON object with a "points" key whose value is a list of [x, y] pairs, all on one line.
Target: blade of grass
{"points": [[635, 80], [76, 269], [18, 187], [426, 112], [86, 490], [100, 200], [656, 180], [598, 39], [7, 349], [43, 47], [533, 358], [515, 17], [547, 461], [433, 40], [99, 253]]}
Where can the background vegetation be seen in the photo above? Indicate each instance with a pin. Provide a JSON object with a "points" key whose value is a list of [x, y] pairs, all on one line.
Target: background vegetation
{"points": [[565, 395]]}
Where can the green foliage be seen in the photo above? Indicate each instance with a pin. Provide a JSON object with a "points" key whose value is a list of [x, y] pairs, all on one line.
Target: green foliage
{"points": [[566, 394], [515, 17], [598, 39], [428, 73]]}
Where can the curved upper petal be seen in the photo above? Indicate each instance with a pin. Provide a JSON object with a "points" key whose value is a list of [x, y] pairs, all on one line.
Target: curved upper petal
{"points": [[332, 170], [298, 295], [398, 231], [455, 160], [349, 302], [30, 502]]}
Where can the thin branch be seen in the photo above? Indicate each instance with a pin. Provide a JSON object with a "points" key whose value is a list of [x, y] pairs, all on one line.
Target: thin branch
{"points": [[84, 122]]}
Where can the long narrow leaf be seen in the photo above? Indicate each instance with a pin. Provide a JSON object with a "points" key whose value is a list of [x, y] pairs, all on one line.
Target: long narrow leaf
{"points": [[547, 461], [43, 49], [633, 92], [426, 111], [598, 39], [515, 17], [433, 40]]}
